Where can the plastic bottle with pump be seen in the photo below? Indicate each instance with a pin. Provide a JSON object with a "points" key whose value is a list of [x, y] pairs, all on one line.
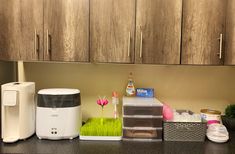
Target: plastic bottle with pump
{"points": [[130, 88]]}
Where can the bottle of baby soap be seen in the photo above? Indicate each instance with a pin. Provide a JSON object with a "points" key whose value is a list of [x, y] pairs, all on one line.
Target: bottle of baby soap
{"points": [[130, 88]]}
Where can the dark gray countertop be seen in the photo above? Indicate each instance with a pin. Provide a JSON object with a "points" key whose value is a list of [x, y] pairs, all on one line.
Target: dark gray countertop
{"points": [[34, 145]]}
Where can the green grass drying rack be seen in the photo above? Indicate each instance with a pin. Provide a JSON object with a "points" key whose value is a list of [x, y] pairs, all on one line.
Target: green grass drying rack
{"points": [[94, 129]]}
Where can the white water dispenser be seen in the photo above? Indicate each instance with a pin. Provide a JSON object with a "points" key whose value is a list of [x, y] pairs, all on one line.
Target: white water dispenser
{"points": [[18, 111]]}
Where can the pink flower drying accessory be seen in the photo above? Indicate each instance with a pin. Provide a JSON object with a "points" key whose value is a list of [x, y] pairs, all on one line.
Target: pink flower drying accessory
{"points": [[102, 103]]}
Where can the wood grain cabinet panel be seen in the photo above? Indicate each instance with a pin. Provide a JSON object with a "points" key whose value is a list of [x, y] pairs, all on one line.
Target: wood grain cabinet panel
{"points": [[230, 34], [66, 30], [203, 22], [21, 29], [158, 31], [112, 28]]}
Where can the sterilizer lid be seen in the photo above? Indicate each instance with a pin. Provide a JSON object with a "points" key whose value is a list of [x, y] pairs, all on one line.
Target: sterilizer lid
{"points": [[58, 91]]}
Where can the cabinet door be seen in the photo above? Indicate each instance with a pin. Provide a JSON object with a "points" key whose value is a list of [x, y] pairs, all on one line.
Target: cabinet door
{"points": [[158, 31], [21, 29], [203, 24], [112, 27], [66, 30], [230, 34]]}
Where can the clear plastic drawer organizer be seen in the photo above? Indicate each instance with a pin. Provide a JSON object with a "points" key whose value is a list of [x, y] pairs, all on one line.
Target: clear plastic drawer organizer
{"points": [[142, 119]]}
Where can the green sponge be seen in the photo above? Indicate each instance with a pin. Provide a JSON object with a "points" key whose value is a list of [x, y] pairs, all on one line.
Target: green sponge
{"points": [[94, 127]]}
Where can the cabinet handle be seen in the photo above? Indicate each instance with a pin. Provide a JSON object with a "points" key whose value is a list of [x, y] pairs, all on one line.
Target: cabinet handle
{"points": [[141, 44], [48, 42], [129, 43], [220, 46], [36, 42]]}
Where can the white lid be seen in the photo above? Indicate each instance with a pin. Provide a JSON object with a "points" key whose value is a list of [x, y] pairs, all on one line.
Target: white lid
{"points": [[216, 139], [58, 91], [141, 101], [217, 133]]}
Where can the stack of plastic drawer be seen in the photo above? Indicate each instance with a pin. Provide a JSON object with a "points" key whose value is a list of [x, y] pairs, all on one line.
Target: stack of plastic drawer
{"points": [[142, 119]]}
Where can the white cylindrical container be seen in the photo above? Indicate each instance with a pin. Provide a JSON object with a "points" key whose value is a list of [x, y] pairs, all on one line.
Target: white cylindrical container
{"points": [[211, 116]]}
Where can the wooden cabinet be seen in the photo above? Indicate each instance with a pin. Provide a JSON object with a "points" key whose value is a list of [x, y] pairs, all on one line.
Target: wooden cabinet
{"points": [[158, 31], [21, 29], [203, 26], [118, 31], [44, 29], [112, 28], [230, 34], [66, 30]]}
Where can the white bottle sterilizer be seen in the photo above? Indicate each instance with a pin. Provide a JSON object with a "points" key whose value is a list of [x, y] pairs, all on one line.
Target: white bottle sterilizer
{"points": [[58, 114]]}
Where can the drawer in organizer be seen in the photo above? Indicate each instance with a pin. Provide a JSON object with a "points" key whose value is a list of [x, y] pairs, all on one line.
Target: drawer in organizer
{"points": [[142, 133], [142, 110], [142, 121]]}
